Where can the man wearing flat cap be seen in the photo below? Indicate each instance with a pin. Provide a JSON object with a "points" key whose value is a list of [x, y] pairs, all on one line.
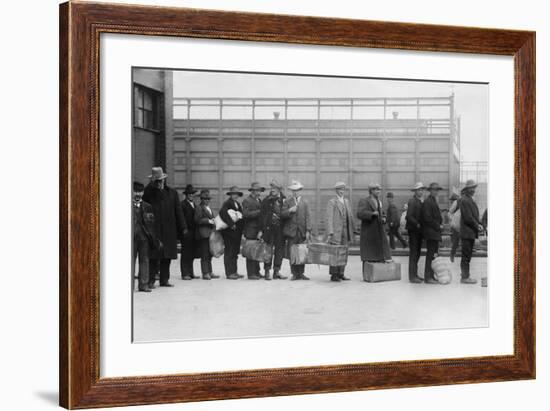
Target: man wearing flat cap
{"points": [[470, 228], [169, 225], [271, 228], [340, 226], [188, 243], [414, 229], [233, 233], [251, 216], [374, 243], [431, 221], [393, 222]]}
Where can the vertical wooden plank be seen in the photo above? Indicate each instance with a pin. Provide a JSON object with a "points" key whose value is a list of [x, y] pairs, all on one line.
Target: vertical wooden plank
{"points": [[318, 171], [417, 144], [253, 143], [188, 166], [451, 142], [285, 143], [350, 154], [220, 156], [384, 153]]}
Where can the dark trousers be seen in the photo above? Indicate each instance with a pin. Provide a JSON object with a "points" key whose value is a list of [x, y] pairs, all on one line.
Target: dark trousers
{"points": [[159, 266], [296, 269], [252, 266], [338, 271], [467, 250], [455, 239], [206, 257], [187, 255], [232, 242], [141, 252], [432, 247], [278, 244], [394, 233], [415, 246]]}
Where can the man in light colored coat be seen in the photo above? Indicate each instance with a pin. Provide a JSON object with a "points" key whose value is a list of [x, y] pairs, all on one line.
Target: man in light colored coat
{"points": [[340, 226]]}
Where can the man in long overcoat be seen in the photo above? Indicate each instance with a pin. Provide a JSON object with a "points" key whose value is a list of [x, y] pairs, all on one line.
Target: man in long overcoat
{"points": [[340, 226], [470, 227], [414, 229], [251, 215], [204, 225], [431, 221], [374, 243], [169, 225], [188, 242], [394, 221], [271, 228], [232, 234]]}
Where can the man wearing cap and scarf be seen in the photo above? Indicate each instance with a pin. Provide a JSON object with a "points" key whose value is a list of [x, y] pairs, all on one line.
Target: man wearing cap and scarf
{"points": [[470, 227], [204, 225], [232, 234], [374, 243], [340, 226], [251, 215], [297, 225], [169, 225], [431, 221], [394, 222], [188, 243], [271, 228], [414, 229]]}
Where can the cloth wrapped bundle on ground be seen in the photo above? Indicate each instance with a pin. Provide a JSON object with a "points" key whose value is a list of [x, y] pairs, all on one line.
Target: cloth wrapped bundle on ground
{"points": [[442, 272], [299, 254], [221, 225], [377, 272], [216, 243], [257, 250], [327, 254]]}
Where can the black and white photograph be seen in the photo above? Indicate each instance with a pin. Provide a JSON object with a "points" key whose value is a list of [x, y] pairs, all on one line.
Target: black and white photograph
{"points": [[281, 204]]}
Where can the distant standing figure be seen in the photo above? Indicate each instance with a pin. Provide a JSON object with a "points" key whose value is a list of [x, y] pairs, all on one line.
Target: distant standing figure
{"points": [[188, 242], [374, 242], [340, 226], [432, 224], [455, 234], [204, 225], [470, 228], [394, 222], [232, 234], [414, 229], [251, 230]]}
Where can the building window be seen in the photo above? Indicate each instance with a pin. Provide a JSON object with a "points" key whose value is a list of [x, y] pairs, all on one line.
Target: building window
{"points": [[146, 112]]}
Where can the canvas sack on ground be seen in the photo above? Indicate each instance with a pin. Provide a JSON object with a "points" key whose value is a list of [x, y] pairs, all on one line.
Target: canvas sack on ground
{"points": [[216, 243], [299, 254]]}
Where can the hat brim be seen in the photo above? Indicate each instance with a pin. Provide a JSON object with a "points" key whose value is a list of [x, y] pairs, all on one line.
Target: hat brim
{"points": [[295, 188], [158, 178], [239, 193], [467, 187], [262, 189], [191, 192]]}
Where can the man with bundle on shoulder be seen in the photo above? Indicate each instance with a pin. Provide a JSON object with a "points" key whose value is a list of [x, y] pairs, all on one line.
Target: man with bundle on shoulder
{"points": [[233, 233]]}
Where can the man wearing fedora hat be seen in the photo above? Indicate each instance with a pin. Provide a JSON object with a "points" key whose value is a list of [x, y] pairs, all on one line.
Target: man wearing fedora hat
{"points": [[204, 225], [470, 227], [414, 229], [271, 228], [169, 225], [431, 221], [340, 226], [188, 243], [455, 234], [251, 216], [232, 234], [393, 222], [297, 225]]}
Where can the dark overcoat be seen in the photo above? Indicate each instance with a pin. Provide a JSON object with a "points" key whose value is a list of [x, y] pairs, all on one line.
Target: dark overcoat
{"points": [[203, 226], [144, 223], [169, 222], [296, 224], [271, 219], [413, 218], [469, 218], [374, 243], [431, 219], [251, 214], [234, 230], [189, 246], [393, 216]]}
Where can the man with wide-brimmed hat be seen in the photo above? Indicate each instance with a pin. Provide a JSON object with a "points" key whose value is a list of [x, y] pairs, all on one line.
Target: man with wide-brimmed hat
{"points": [[394, 221], [169, 225], [188, 244], [204, 225], [297, 225], [271, 228], [432, 225], [340, 226], [374, 243], [454, 214], [232, 234], [251, 215], [414, 229], [470, 228]]}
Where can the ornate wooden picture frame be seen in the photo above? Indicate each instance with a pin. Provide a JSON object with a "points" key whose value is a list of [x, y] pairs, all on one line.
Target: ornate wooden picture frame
{"points": [[81, 25]]}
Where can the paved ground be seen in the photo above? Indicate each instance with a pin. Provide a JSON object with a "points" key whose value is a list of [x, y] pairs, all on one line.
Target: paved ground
{"points": [[223, 308]]}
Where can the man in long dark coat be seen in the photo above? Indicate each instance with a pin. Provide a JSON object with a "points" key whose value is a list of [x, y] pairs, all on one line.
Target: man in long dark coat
{"points": [[251, 215], [470, 227], [233, 233], [394, 221], [169, 225], [188, 242], [204, 225], [431, 221], [271, 226], [374, 243], [414, 228]]}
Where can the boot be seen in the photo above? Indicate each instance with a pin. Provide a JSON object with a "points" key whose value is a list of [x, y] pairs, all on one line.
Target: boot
{"points": [[277, 275], [267, 276]]}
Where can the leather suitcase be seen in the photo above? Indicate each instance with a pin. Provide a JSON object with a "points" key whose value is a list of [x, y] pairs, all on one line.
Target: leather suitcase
{"points": [[256, 250], [377, 272], [327, 254]]}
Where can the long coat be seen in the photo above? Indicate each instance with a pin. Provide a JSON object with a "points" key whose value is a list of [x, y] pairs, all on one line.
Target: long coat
{"points": [[414, 213], [251, 214], [189, 247], [469, 218], [431, 219], [374, 243], [203, 226], [393, 216], [337, 223], [169, 221], [271, 219], [144, 223], [296, 224]]}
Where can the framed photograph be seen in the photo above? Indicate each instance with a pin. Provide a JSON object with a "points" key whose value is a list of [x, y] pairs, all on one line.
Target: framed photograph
{"points": [[259, 205]]}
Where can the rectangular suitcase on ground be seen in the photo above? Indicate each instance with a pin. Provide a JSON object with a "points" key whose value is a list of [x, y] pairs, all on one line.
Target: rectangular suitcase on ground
{"points": [[299, 254], [257, 250], [376, 272], [327, 254]]}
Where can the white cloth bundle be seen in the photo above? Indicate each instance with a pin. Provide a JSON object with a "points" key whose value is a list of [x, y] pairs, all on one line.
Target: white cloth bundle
{"points": [[220, 224]]}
